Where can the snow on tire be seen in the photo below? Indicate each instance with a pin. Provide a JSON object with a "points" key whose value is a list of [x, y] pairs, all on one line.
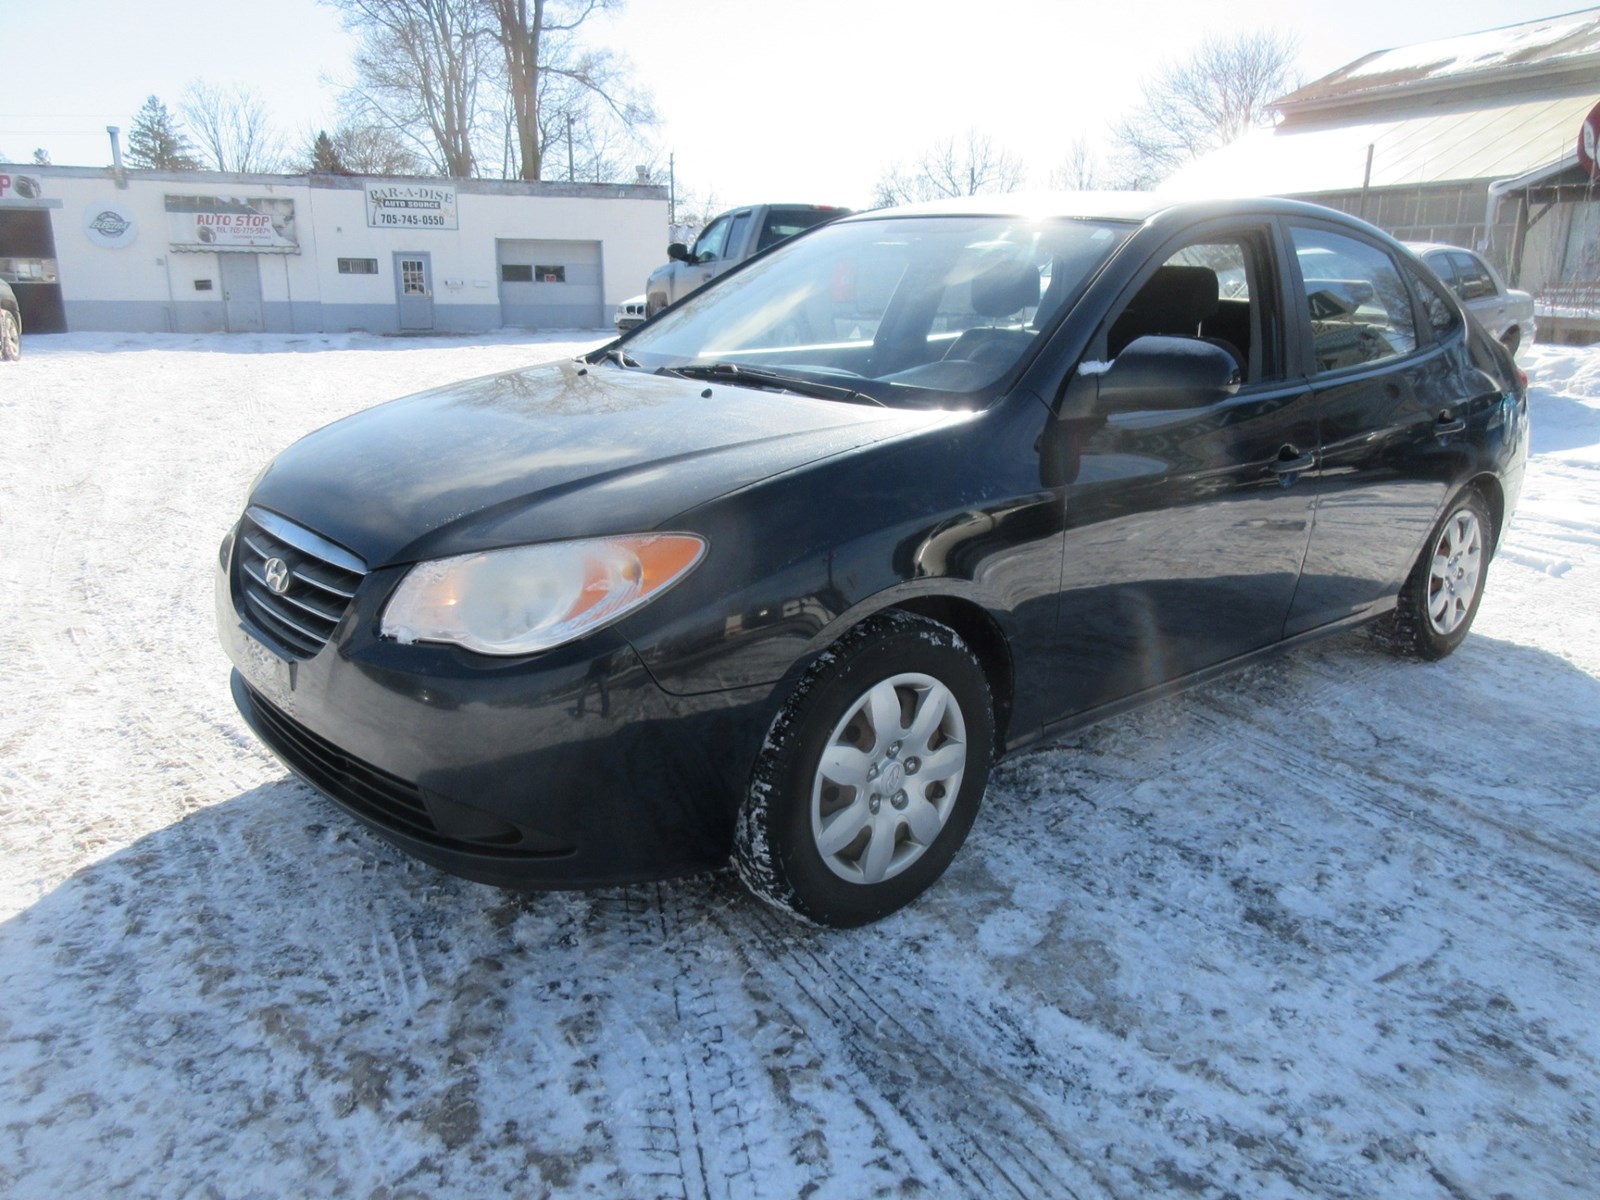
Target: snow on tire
{"points": [[871, 775], [1441, 595]]}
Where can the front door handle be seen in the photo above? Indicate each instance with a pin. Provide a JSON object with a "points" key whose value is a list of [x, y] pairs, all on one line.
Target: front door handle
{"points": [[1288, 463]]}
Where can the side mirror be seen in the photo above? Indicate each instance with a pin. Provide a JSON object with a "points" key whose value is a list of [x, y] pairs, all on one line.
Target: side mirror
{"points": [[678, 252], [1155, 372]]}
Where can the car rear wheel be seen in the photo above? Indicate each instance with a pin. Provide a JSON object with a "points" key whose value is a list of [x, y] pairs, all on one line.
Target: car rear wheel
{"points": [[10, 336], [1441, 596], [871, 775], [1511, 339]]}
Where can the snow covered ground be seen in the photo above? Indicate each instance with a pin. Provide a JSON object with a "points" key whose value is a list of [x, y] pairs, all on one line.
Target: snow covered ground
{"points": [[1327, 928]]}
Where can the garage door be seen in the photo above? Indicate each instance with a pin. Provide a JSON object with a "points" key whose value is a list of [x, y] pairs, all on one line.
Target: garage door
{"points": [[551, 285]]}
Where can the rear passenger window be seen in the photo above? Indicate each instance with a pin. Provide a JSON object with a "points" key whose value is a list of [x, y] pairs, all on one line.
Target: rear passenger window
{"points": [[783, 223], [1359, 306], [1473, 281]]}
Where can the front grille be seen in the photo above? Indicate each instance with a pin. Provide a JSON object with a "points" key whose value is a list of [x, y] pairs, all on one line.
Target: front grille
{"points": [[320, 579], [360, 786]]}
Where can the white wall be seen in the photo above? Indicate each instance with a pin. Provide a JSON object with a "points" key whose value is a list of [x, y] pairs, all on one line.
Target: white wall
{"points": [[146, 280]]}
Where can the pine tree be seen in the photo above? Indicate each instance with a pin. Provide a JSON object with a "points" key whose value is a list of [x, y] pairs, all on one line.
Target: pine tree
{"points": [[156, 141], [325, 156]]}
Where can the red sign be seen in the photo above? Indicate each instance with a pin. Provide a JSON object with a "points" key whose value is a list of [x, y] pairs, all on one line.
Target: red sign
{"points": [[1589, 143]]}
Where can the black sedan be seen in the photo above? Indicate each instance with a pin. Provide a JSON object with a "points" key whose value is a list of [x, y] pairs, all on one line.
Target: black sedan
{"points": [[10, 324], [778, 576]]}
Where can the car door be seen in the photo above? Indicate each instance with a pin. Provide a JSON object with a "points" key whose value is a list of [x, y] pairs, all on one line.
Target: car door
{"points": [[1383, 386], [711, 254], [1185, 531], [1480, 291]]}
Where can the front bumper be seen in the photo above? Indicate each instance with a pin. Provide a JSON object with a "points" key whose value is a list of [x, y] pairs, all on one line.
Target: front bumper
{"points": [[567, 769]]}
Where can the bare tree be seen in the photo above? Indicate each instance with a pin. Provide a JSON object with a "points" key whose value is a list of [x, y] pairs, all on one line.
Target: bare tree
{"points": [[420, 67], [374, 150], [968, 166], [1079, 171], [560, 90], [1216, 96], [232, 127]]}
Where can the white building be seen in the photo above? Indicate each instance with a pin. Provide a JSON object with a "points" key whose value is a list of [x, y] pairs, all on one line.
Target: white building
{"points": [[190, 251]]}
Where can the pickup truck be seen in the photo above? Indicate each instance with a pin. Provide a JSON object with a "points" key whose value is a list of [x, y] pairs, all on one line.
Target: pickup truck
{"points": [[734, 236]]}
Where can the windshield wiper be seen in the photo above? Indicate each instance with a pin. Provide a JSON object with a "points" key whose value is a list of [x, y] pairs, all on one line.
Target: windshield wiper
{"points": [[726, 372]]}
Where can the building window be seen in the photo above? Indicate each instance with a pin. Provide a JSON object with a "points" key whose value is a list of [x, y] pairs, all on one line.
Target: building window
{"points": [[550, 274], [358, 266], [516, 273]]}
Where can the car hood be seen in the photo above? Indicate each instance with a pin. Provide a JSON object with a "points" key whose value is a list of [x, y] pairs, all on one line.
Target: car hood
{"points": [[551, 452]]}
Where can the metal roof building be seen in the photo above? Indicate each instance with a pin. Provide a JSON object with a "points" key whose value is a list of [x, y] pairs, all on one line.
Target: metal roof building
{"points": [[1469, 140]]}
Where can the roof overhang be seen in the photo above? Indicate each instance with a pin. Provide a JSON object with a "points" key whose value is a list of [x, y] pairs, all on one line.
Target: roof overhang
{"points": [[1488, 143]]}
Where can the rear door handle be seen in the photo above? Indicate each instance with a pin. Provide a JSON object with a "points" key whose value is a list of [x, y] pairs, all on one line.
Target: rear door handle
{"points": [[1293, 466], [1445, 425]]}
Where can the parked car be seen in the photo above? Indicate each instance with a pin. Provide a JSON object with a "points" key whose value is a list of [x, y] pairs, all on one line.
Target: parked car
{"points": [[780, 574], [10, 324], [727, 241], [630, 314], [1505, 312]]}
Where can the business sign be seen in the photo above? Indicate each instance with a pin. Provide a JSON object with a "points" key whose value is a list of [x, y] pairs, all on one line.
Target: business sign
{"points": [[259, 224], [411, 206], [19, 187], [1589, 143], [109, 225]]}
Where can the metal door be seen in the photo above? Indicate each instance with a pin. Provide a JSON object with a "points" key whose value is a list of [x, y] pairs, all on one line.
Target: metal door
{"points": [[413, 281], [241, 293]]}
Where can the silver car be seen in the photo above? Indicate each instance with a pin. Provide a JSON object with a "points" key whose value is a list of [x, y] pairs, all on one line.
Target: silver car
{"points": [[1505, 312]]}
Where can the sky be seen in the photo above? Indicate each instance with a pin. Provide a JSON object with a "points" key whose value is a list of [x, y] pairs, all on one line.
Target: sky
{"points": [[759, 101]]}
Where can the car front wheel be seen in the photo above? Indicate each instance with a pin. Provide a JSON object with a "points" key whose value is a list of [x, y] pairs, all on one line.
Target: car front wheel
{"points": [[10, 337], [1441, 596], [871, 775]]}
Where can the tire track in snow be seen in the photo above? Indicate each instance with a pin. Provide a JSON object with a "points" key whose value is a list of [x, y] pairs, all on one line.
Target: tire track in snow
{"points": [[991, 1140], [1414, 804]]}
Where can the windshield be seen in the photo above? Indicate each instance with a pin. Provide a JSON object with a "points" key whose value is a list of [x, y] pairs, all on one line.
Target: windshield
{"points": [[898, 310]]}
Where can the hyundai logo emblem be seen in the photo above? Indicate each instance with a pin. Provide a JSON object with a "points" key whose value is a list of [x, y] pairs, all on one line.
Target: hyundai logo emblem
{"points": [[277, 574]]}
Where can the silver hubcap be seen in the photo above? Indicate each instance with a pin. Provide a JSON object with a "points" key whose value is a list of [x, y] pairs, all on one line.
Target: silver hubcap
{"points": [[889, 777], [9, 336], [1457, 567]]}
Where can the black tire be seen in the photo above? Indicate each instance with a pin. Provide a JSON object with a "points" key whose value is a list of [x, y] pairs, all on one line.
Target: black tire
{"points": [[908, 833], [1442, 593], [10, 336], [1511, 339]]}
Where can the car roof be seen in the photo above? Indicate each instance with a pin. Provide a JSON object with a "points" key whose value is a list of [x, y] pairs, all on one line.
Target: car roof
{"points": [[1430, 247], [1115, 206]]}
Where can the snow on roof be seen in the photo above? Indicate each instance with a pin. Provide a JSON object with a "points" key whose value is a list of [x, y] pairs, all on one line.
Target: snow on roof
{"points": [[1489, 143], [1545, 42]]}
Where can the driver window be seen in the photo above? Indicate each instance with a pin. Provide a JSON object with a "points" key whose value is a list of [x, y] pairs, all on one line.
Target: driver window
{"points": [[709, 246], [1211, 291]]}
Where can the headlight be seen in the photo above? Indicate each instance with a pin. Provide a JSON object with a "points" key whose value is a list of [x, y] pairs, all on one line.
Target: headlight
{"points": [[532, 598]]}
